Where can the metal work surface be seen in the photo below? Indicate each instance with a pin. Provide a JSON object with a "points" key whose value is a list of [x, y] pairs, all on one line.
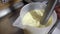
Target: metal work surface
{"points": [[6, 24]]}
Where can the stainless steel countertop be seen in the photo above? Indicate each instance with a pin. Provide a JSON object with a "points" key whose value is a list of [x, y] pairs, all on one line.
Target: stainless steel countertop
{"points": [[7, 21], [57, 29]]}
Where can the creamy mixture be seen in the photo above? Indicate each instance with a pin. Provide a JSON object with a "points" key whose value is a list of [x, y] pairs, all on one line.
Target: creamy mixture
{"points": [[32, 18]]}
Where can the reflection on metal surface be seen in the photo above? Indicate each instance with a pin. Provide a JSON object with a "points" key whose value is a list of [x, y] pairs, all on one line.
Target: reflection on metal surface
{"points": [[6, 23], [4, 12]]}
